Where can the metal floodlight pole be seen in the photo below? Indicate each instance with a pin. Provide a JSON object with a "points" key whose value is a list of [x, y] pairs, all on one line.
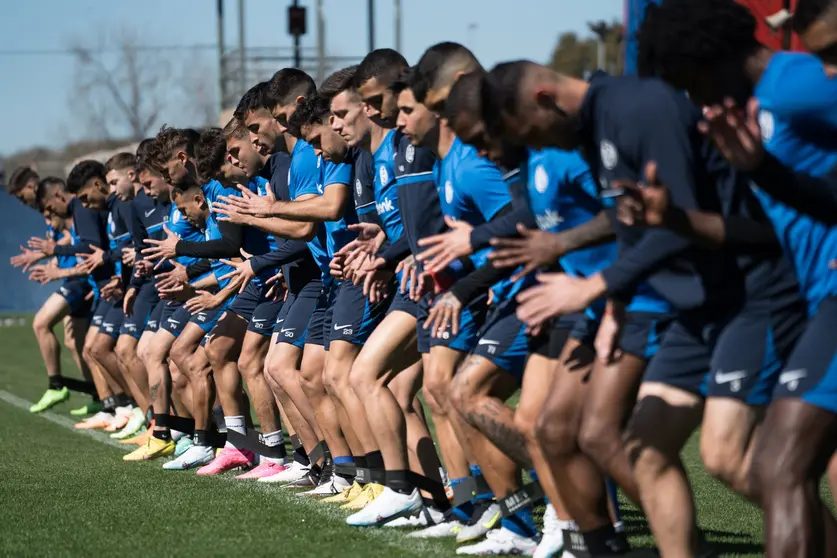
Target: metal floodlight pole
{"points": [[398, 25], [371, 25], [222, 86], [242, 58]]}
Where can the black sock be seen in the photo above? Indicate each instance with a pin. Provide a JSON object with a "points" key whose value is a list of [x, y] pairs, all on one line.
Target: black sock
{"points": [[605, 540], [121, 400], [108, 404], [161, 421], [56, 382], [161, 434], [362, 467], [375, 461], [218, 418], [399, 482], [301, 457], [95, 398], [201, 437]]}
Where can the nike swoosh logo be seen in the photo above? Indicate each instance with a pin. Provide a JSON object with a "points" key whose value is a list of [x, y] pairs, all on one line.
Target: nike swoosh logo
{"points": [[336, 327], [487, 342], [148, 213], [283, 330], [792, 376], [259, 320], [725, 378]]}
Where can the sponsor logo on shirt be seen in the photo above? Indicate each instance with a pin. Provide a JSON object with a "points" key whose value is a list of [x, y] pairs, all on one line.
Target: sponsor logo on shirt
{"points": [[385, 206], [609, 154], [541, 179]]}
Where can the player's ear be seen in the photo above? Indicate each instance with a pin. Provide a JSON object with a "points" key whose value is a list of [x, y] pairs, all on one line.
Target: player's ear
{"points": [[299, 100], [544, 97], [182, 157], [132, 175]]}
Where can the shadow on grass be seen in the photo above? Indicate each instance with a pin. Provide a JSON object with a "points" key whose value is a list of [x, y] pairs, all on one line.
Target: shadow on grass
{"points": [[724, 542]]}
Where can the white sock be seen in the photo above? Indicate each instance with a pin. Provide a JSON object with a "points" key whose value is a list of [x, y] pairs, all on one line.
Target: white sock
{"points": [[235, 424], [567, 525]]}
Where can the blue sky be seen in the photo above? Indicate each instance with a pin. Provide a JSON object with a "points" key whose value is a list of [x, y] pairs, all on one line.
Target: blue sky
{"points": [[37, 87]]}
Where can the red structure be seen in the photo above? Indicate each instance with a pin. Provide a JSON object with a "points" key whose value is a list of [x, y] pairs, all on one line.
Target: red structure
{"points": [[785, 38], [782, 39]]}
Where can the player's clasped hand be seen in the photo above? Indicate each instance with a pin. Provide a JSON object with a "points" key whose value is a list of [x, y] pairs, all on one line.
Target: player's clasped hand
{"points": [[444, 312], [242, 270], [644, 204], [249, 203]]}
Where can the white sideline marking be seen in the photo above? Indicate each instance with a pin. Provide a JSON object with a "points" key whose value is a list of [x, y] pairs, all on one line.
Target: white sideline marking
{"points": [[384, 536]]}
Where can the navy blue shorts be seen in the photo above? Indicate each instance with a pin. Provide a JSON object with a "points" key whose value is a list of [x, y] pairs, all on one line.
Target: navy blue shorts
{"points": [[811, 371], [401, 302], [264, 317], [176, 323], [550, 342], [292, 321], [503, 339], [470, 322], [74, 291], [100, 311], [153, 323], [585, 329], [643, 332], [112, 321], [144, 305], [739, 357], [353, 318], [170, 308], [314, 333], [246, 302]]}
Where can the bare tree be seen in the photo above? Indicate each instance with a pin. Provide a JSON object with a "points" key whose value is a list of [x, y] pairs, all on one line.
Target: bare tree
{"points": [[198, 86], [119, 89]]}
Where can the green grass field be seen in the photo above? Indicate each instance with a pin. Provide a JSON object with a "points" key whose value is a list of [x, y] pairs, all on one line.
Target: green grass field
{"points": [[68, 493]]}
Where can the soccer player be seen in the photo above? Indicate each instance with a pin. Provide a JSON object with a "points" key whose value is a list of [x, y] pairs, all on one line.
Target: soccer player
{"points": [[23, 185], [743, 300], [139, 301], [70, 303], [387, 372], [174, 171], [262, 109], [795, 103], [90, 227], [97, 193]]}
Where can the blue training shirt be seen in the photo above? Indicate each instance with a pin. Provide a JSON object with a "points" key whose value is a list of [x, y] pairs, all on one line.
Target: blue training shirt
{"points": [[798, 119], [303, 179], [386, 188]]}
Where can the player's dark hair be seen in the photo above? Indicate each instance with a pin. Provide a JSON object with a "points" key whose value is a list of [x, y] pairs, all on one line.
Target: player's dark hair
{"points": [[384, 64], [188, 184], [465, 96], [313, 110], [439, 65], [45, 187], [402, 82], [255, 98], [690, 34], [168, 142], [500, 92], [235, 129], [211, 153], [121, 161], [809, 11], [143, 154], [84, 172], [289, 83], [19, 178], [339, 81]]}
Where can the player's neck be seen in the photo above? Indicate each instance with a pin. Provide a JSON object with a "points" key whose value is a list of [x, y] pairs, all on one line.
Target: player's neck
{"points": [[377, 136], [137, 188], [756, 64], [290, 141], [571, 91], [446, 139]]}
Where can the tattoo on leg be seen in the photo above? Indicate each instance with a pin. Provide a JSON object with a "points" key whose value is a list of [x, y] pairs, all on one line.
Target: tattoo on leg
{"points": [[152, 392], [509, 440]]}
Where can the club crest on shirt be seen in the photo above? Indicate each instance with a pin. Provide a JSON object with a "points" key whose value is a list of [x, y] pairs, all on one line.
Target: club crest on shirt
{"points": [[410, 154], [448, 191], [358, 187], [382, 171], [541, 179], [609, 154], [175, 216], [767, 125], [111, 225]]}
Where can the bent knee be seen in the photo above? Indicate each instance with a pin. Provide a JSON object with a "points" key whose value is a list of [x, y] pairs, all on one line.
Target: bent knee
{"points": [[555, 435], [439, 391]]}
